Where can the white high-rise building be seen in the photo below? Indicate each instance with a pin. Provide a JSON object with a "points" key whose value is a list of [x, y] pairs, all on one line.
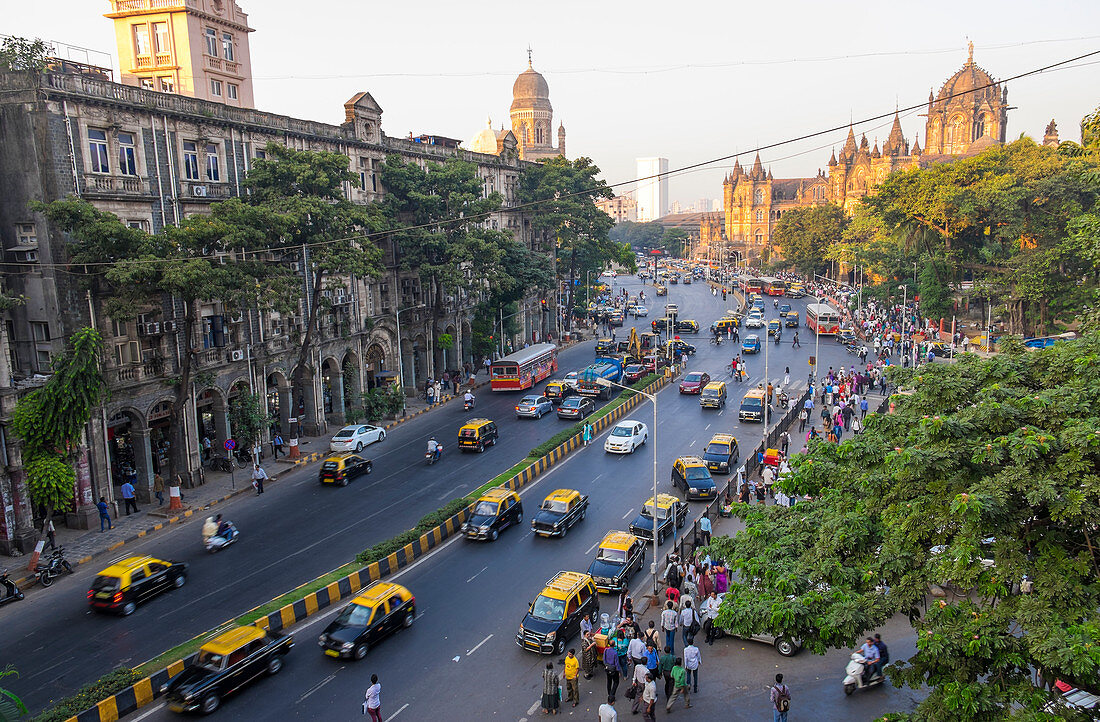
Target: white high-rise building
{"points": [[716, 205], [652, 193]]}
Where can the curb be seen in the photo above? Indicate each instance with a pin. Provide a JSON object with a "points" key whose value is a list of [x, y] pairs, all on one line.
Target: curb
{"points": [[146, 690]]}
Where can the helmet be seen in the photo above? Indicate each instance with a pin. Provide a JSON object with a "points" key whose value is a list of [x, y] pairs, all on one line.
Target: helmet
{"points": [[431, 438]]}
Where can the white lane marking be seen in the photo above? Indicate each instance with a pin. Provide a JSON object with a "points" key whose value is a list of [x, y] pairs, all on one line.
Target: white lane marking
{"points": [[708, 428], [593, 547], [318, 686], [626, 515], [598, 476], [399, 711], [479, 645], [158, 708], [449, 493], [534, 707], [475, 576], [691, 444]]}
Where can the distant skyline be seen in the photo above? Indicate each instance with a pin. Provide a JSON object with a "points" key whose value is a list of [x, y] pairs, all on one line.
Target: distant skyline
{"points": [[652, 82]]}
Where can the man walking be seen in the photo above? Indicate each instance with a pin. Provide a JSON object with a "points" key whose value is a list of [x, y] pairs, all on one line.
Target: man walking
{"points": [[704, 529], [666, 664], [679, 686], [258, 476], [781, 700], [128, 497], [277, 445], [794, 341], [373, 703], [104, 517], [158, 489], [649, 698], [669, 618], [611, 666], [689, 623], [572, 666], [692, 658]]}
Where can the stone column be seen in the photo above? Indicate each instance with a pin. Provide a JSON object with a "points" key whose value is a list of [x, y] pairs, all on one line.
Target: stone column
{"points": [[143, 464], [337, 383]]}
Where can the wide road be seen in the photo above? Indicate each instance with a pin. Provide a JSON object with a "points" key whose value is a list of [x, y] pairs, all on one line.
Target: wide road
{"points": [[460, 659], [295, 532]]}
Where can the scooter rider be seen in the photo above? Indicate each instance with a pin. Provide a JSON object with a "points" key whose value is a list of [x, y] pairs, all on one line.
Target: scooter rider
{"points": [[210, 527], [872, 659], [468, 397], [433, 447], [225, 529]]}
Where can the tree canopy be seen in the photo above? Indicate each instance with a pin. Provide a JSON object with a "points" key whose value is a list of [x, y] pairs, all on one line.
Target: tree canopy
{"points": [[805, 235], [984, 476]]}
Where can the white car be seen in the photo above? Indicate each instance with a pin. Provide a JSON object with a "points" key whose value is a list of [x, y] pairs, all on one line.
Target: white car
{"points": [[640, 311], [354, 438], [755, 321], [626, 437]]}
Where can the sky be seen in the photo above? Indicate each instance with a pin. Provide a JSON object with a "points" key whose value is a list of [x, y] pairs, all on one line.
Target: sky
{"points": [[688, 81]]}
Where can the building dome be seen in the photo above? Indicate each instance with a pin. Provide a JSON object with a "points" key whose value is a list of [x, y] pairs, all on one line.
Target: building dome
{"points": [[530, 90], [966, 79], [484, 141]]}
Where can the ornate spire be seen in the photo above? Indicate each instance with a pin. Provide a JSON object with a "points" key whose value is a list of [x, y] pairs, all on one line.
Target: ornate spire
{"points": [[970, 54], [529, 57], [874, 151], [770, 174], [896, 142], [757, 168], [849, 149], [916, 146], [832, 159]]}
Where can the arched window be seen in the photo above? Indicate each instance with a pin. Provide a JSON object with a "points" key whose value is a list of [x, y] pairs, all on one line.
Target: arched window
{"points": [[758, 196], [955, 140], [759, 237], [759, 215], [980, 127], [538, 134]]}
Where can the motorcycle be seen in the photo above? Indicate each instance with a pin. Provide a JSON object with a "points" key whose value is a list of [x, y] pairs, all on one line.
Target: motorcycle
{"points": [[852, 348], [431, 457], [783, 399], [8, 591], [468, 404], [53, 567], [218, 542], [854, 675]]}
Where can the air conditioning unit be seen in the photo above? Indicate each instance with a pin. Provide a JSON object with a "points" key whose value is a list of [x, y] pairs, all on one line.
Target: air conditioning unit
{"points": [[296, 266], [237, 355], [341, 299], [141, 329], [152, 328], [237, 318], [169, 326], [199, 191]]}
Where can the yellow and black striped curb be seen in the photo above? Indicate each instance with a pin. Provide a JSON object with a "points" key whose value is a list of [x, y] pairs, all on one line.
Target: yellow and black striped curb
{"points": [[147, 689]]}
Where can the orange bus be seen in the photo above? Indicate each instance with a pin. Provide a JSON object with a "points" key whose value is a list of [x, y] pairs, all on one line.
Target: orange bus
{"points": [[749, 284], [823, 319], [524, 368], [773, 286]]}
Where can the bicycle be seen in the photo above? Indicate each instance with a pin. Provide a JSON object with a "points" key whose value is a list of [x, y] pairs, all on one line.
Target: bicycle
{"points": [[220, 463]]}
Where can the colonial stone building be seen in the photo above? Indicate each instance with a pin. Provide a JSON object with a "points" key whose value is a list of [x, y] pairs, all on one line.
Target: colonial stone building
{"points": [[533, 117], [153, 158], [966, 116]]}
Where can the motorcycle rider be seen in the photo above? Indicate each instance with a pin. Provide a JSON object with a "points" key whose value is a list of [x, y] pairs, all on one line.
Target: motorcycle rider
{"points": [[209, 528], [225, 529], [468, 398], [872, 665], [433, 447]]}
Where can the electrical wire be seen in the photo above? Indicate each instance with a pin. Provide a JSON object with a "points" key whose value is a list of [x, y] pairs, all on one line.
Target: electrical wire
{"points": [[705, 164]]}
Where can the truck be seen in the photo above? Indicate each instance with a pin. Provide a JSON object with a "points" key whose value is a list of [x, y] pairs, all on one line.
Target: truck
{"points": [[604, 367]]}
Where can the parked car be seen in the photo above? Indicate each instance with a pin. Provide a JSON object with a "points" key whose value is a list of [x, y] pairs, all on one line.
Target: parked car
{"points": [[355, 437], [555, 614]]}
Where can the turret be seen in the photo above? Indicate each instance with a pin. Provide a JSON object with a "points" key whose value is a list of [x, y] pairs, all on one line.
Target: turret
{"points": [[561, 139]]}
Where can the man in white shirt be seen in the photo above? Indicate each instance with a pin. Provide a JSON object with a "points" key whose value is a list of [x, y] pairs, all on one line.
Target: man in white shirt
{"points": [[688, 617], [692, 657], [608, 713], [636, 651], [669, 621], [649, 699], [710, 613], [639, 681]]}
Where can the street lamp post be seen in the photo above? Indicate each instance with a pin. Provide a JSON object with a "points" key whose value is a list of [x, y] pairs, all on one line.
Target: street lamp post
{"points": [[400, 358], [652, 398]]}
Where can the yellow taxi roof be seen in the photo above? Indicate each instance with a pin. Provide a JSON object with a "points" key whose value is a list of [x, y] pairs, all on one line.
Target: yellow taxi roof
{"points": [[378, 592], [231, 640], [714, 385], [691, 461], [122, 566], [664, 501], [755, 394], [721, 438], [565, 583], [497, 494], [340, 457], [618, 540], [562, 495], [475, 423]]}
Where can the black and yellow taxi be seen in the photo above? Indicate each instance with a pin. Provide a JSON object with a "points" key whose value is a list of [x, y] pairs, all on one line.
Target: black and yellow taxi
{"points": [[721, 453], [725, 325], [558, 391], [560, 510], [713, 395], [790, 320], [476, 434], [670, 513], [128, 582], [686, 325], [339, 469], [662, 291], [752, 406], [556, 614], [796, 290], [691, 474], [606, 346], [375, 613], [494, 511], [774, 326], [620, 555], [224, 665]]}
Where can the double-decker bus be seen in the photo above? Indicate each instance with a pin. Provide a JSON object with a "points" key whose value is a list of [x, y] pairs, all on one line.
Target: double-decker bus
{"points": [[773, 286], [823, 319], [748, 284], [524, 368]]}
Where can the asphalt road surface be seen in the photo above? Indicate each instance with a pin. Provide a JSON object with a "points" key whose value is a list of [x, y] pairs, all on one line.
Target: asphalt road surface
{"points": [[460, 658], [295, 532]]}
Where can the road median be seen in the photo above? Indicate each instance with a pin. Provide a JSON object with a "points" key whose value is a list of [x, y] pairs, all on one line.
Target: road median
{"points": [[122, 695]]}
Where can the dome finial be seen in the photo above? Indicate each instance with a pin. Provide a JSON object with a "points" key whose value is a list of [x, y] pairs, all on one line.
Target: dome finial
{"points": [[970, 55], [529, 57]]}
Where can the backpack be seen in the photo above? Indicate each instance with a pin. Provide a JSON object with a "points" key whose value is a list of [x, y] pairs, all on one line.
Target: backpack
{"points": [[782, 698]]}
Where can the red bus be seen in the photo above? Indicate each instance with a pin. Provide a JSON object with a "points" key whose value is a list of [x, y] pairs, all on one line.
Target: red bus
{"points": [[749, 284], [823, 319], [524, 368], [773, 286]]}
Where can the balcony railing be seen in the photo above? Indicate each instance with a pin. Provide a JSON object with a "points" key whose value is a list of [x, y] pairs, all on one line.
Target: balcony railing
{"points": [[205, 189], [213, 63], [125, 6], [116, 185]]}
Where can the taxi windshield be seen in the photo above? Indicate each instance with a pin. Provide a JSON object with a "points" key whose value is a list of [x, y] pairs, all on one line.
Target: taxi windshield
{"points": [[720, 449], [622, 431], [712, 392], [617, 556], [556, 505], [485, 508], [548, 609], [753, 401], [354, 615], [647, 510], [695, 473]]}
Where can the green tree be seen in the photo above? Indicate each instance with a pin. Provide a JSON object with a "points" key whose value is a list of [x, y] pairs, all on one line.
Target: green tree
{"points": [[51, 420], [248, 420], [982, 481], [203, 260], [675, 241], [638, 235], [21, 54], [11, 707], [297, 209], [806, 234], [565, 193]]}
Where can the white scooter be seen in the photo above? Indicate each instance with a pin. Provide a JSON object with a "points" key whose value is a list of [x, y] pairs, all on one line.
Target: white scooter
{"points": [[854, 675], [217, 542]]}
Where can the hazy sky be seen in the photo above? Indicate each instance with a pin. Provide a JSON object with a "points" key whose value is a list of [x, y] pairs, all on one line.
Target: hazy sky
{"points": [[689, 81]]}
